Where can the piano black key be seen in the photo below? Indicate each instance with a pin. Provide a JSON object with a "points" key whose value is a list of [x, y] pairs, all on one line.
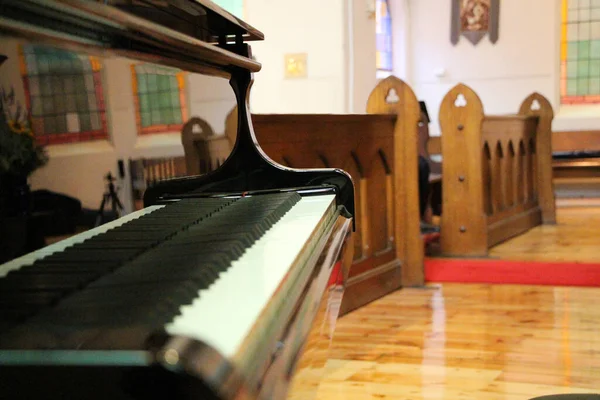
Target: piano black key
{"points": [[152, 267]]}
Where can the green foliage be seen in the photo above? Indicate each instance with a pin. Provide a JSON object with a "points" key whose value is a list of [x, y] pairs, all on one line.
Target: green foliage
{"points": [[20, 155]]}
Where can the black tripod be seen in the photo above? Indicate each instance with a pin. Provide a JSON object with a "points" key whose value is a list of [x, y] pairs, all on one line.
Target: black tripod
{"points": [[111, 196]]}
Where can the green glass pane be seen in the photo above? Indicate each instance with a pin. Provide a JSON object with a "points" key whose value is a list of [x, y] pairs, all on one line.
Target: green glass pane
{"points": [[595, 49], [572, 32], [70, 103], [69, 85], [572, 69], [153, 100], [61, 124], [43, 67], [85, 122], [572, 50], [175, 100], [31, 64], [144, 102], [146, 119], [152, 84], [582, 86], [59, 104], [34, 85], [57, 84], [583, 69], [163, 83], [81, 102], [595, 68], [142, 82], [54, 64], [46, 85], [173, 83], [572, 87], [92, 103], [177, 118], [155, 117], [49, 125], [594, 86], [36, 106], [584, 49], [164, 116], [47, 105], [79, 84]]}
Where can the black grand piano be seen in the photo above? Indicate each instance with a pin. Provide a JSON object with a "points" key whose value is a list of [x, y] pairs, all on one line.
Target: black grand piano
{"points": [[221, 287]]}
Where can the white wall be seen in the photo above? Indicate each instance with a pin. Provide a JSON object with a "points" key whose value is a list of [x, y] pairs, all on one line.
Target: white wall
{"points": [[523, 60], [361, 62], [315, 27]]}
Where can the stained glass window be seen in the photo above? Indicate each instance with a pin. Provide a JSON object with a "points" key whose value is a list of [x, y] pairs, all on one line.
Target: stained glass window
{"points": [[235, 7], [580, 52], [383, 26], [160, 103], [63, 91]]}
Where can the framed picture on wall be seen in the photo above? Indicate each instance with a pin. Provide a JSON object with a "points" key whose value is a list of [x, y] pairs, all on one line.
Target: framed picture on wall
{"points": [[474, 19]]}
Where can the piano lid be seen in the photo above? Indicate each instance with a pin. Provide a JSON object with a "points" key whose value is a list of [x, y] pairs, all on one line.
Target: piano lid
{"points": [[176, 33], [202, 19]]}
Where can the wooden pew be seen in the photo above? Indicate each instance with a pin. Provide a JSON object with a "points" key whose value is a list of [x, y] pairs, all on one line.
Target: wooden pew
{"points": [[497, 172], [147, 171], [379, 150]]}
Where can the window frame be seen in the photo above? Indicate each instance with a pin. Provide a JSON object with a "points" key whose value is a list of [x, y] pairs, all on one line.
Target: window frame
{"points": [[68, 137], [566, 99], [380, 69], [159, 128]]}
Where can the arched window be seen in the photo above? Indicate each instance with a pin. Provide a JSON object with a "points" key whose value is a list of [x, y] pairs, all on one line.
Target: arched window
{"points": [[383, 26], [580, 52], [159, 96], [63, 91]]}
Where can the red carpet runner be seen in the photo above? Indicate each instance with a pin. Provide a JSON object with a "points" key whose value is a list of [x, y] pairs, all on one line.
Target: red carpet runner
{"points": [[516, 272]]}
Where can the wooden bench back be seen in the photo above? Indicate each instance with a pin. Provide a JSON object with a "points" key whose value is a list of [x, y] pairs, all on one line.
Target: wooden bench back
{"points": [[147, 171], [497, 174]]}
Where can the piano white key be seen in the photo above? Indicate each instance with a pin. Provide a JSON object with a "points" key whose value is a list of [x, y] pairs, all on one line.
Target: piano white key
{"points": [[30, 258], [245, 288]]}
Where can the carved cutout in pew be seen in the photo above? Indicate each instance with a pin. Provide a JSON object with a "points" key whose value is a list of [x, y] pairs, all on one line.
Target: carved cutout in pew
{"points": [[379, 151], [497, 172]]}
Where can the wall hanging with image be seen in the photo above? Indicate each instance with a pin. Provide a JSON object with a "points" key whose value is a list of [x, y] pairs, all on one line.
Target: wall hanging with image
{"points": [[474, 19]]}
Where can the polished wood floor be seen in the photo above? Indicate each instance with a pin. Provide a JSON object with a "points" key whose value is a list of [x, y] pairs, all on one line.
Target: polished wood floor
{"points": [[461, 341], [575, 238], [473, 341]]}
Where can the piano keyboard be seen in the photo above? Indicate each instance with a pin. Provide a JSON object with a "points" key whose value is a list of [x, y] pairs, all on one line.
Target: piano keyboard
{"points": [[244, 289], [170, 268]]}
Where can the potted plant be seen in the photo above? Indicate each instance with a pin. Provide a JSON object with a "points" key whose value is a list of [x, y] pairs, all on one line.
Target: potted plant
{"points": [[20, 155]]}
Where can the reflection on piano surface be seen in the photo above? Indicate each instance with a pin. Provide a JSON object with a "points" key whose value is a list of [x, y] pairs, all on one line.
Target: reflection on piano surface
{"points": [[220, 287]]}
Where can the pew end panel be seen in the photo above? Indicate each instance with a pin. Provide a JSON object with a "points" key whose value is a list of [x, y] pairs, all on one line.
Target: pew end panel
{"points": [[538, 105], [463, 222], [501, 181], [393, 96]]}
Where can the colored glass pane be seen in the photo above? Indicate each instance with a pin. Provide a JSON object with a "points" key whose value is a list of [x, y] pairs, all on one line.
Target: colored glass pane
{"points": [[580, 51], [61, 93], [156, 86], [383, 34]]}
